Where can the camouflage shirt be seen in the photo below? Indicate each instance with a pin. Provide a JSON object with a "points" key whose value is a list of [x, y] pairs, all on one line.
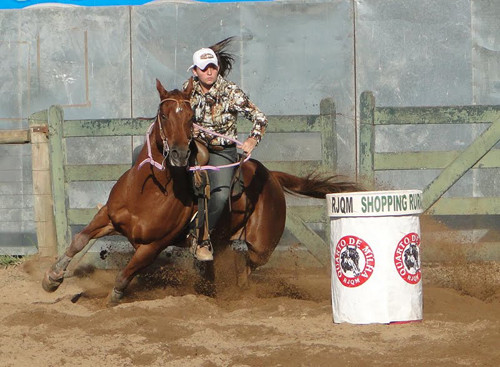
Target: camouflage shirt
{"points": [[218, 110]]}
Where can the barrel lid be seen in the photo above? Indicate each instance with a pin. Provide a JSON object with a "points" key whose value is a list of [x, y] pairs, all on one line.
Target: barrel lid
{"points": [[374, 203]]}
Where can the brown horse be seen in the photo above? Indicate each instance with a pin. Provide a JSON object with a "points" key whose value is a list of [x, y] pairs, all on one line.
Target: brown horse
{"points": [[152, 205]]}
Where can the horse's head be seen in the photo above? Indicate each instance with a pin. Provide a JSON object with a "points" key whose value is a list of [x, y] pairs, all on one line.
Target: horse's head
{"points": [[175, 124]]}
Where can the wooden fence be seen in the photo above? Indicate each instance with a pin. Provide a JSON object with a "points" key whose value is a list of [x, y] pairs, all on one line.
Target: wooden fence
{"points": [[454, 164], [62, 174], [37, 135]]}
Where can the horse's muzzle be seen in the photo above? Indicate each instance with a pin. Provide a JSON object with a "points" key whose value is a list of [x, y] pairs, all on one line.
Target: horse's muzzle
{"points": [[178, 157]]}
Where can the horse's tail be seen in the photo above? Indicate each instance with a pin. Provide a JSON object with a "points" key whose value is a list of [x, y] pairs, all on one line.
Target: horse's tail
{"points": [[314, 184]]}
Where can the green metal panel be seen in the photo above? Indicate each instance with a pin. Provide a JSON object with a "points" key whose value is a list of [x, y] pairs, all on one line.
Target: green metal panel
{"points": [[436, 115], [57, 160], [366, 136], [456, 169], [429, 160]]}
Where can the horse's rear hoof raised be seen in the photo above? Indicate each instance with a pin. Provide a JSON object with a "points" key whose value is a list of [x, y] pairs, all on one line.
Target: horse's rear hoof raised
{"points": [[50, 284]]}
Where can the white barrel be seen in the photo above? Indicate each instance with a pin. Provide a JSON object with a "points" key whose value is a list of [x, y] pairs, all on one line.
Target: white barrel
{"points": [[375, 256]]}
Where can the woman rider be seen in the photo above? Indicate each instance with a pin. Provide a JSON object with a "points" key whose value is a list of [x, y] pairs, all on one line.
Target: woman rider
{"points": [[216, 103]]}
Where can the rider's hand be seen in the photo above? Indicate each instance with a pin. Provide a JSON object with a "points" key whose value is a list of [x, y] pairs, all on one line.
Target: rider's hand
{"points": [[248, 145]]}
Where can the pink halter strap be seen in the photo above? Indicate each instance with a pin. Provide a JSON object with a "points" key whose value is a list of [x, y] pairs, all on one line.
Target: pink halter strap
{"points": [[161, 166]]}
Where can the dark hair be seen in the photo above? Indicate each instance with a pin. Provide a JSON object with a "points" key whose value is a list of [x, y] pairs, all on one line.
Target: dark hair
{"points": [[225, 58]]}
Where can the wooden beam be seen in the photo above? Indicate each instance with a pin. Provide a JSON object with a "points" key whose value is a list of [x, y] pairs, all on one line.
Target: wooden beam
{"points": [[436, 115], [429, 160], [14, 136], [42, 189], [456, 169], [314, 243], [57, 159], [367, 137], [466, 206]]}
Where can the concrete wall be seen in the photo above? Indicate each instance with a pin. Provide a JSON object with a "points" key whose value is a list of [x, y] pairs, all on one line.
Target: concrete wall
{"points": [[102, 62]]}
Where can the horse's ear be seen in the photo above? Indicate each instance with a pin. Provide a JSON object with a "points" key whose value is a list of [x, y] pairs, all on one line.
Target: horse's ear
{"points": [[189, 87], [160, 89]]}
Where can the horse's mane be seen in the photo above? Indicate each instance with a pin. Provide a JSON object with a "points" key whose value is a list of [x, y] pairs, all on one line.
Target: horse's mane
{"points": [[225, 58]]}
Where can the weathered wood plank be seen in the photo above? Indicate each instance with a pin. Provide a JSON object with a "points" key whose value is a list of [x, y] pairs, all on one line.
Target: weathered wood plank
{"points": [[327, 123], [124, 127], [436, 115], [314, 243], [466, 206], [112, 172], [308, 214], [106, 127], [286, 124], [298, 168], [42, 190], [429, 160], [14, 136], [81, 216], [57, 156], [98, 172], [456, 169], [366, 137]]}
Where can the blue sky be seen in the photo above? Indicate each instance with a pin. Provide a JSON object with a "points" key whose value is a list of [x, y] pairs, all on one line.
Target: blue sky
{"points": [[18, 4]]}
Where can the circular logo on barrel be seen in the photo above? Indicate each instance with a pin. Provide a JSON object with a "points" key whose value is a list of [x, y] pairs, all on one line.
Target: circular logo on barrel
{"points": [[354, 261], [407, 258]]}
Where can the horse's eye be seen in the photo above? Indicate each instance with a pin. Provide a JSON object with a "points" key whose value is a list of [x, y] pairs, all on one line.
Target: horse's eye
{"points": [[163, 116]]}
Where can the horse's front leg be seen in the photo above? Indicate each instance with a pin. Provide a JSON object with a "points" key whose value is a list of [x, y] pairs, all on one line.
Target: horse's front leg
{"points": [[99, 226], [143, 257]]}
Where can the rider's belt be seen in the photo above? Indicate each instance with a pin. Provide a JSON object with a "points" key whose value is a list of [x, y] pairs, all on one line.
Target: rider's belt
{"points": [[218, 148]]}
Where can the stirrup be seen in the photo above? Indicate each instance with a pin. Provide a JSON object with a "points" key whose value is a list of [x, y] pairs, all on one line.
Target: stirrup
{"points": [[204, 251]]}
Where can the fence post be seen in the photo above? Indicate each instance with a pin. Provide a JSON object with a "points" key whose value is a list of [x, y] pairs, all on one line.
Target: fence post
{"points": [[328, 113], [367, 137], [42, 185], [57, 158]]}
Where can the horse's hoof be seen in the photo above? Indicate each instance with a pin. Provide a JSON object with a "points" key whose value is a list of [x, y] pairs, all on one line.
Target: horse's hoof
{"points": [[50, 284], [114, 298]]}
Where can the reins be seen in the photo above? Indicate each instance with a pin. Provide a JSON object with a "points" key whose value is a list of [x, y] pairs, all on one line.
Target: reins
{"points": [[166, 148], [216, 168]]}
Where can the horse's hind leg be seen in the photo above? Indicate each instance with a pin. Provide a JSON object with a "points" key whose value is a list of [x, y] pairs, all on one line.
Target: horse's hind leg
{"points": [[99, 226], [143, 256], [241, 263]]}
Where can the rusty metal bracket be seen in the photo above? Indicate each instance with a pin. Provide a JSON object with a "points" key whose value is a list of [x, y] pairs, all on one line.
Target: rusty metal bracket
{"points": [[40, 129]]}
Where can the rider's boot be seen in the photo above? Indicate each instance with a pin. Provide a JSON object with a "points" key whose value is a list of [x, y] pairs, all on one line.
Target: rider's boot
{"points": [[204, 251]]}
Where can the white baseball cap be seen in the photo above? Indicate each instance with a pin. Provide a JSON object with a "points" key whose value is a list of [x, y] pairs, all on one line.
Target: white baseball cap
{"points": [[203, 57]]}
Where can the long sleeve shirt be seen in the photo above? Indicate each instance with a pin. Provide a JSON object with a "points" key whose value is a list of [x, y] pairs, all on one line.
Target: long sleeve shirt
{"points": [[218, 110]]}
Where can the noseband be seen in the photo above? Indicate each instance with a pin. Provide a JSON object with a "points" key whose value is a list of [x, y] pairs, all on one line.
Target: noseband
{"points": [[166, 148]]}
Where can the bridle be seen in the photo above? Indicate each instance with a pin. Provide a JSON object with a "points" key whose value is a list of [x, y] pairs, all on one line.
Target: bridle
{"points": [[166, 147]]}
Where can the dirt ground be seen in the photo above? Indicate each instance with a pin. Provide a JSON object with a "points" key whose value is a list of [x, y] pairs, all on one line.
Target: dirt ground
{"points": [[284, 319]]}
